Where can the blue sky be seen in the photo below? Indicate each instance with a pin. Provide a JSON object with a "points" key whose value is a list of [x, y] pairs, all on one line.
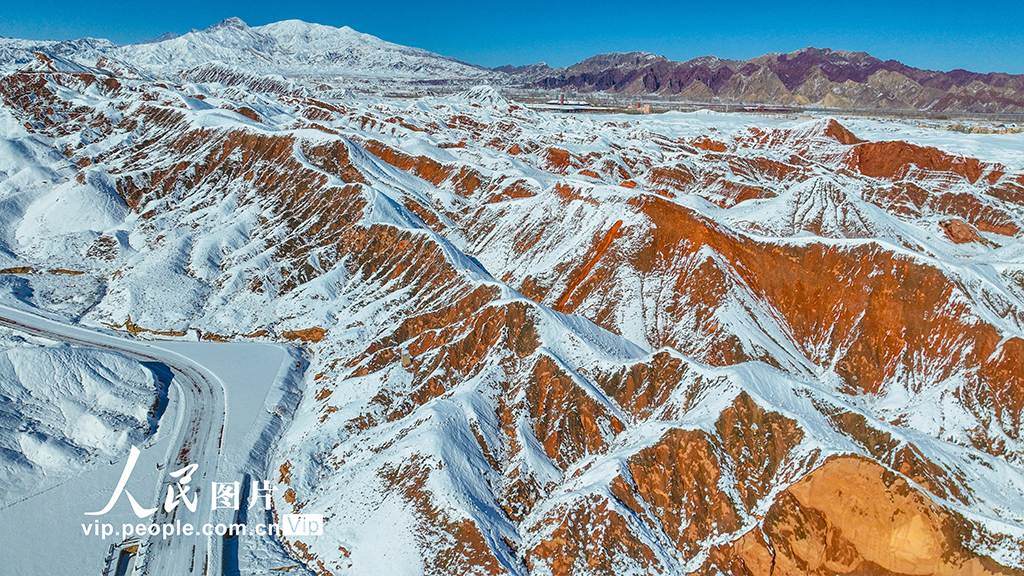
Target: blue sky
{"points": [[938, 34]]}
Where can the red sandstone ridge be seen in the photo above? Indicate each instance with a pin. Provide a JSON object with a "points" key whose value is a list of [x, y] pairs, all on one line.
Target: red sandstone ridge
{"points": [[840, 133], [892, 160], [599, 251]]}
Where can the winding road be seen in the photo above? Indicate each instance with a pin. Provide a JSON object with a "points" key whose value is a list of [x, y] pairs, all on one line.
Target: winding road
{"points": [[199, 439]]}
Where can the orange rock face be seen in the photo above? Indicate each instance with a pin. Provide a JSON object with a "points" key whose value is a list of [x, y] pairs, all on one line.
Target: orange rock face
{"points": [[841, 134], [608, 547], [851, 516], [314, 334], [892, 159]]}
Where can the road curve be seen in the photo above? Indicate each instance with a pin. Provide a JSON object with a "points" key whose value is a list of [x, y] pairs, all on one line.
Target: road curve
{"points": [[202, 401]]}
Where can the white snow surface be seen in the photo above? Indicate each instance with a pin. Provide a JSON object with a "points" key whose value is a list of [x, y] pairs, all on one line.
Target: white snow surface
{"points": [[64, 409]]}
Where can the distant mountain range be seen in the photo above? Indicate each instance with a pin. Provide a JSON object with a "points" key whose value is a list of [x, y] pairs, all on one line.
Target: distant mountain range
{"points": [[337, 57], [833, 78]]}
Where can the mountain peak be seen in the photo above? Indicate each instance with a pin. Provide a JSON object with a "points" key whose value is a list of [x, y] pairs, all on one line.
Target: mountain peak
{"points": [[637, 55], [162, 38], [829, 54], [617, 60], [483, 95], [232, 22]]}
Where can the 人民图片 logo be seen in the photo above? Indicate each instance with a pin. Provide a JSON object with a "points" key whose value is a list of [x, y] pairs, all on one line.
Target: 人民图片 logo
{"points": [[223, 495]]}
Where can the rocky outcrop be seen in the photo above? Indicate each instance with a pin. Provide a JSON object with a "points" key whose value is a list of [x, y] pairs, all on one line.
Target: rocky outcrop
{"points": [[851, 516]]}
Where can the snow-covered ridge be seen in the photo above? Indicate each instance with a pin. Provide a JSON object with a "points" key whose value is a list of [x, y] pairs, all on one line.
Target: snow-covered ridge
{"points": [[290, 47], [15, 52]]}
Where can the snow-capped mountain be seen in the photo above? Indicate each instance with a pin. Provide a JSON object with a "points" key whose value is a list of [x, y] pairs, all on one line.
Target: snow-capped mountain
{"points": [[293, 47]]}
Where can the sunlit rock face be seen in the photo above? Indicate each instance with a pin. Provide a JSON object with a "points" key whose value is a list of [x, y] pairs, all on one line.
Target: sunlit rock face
{"points": [[681, 343]]}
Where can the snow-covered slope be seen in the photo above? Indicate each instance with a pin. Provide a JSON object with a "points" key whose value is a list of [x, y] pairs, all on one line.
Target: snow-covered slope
{"points": [[66, 409], [15, 53], [293, 47]]}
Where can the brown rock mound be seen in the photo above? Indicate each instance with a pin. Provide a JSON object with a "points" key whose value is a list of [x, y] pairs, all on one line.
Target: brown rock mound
{"points": [[314, 334], [852, 516], [840, 133], [960, 232], [891, 159]]}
